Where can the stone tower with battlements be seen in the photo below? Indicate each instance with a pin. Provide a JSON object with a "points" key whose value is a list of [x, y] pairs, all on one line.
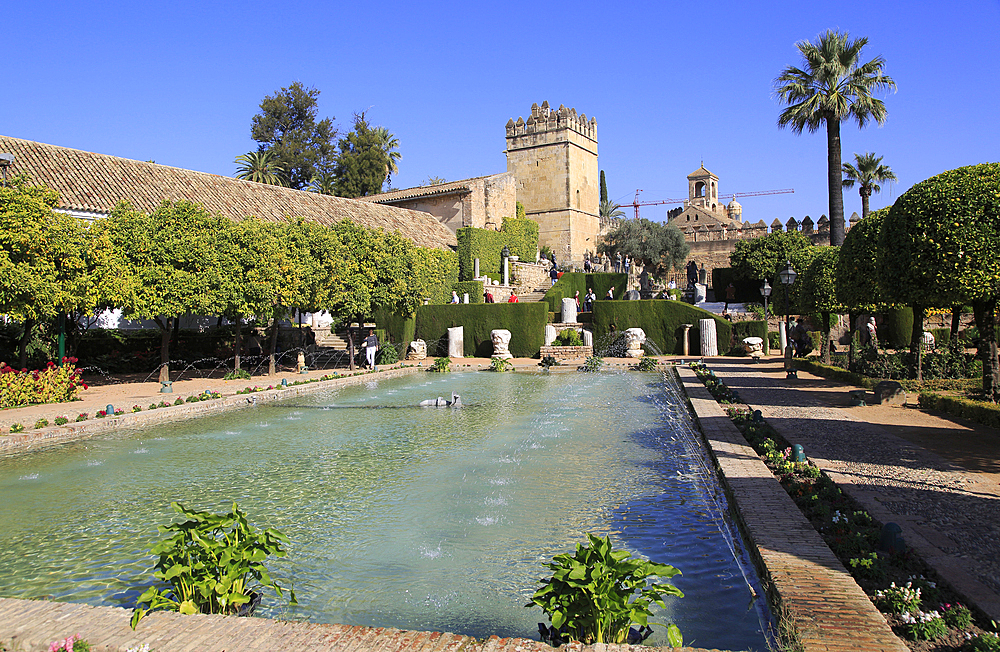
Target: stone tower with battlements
{"points": [[553, 156]]}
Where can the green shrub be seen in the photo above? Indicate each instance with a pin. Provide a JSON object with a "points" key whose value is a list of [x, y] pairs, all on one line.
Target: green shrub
{"points": [[525, 321], [211, 563], [569, 337], [499, 364], [520, 236], [41, 423], [896, 329], [549, 361], [387, 355], [648, 363], [661, 320], [593, 363], [595, 595], [61, 421], [985, 642], [474, 288], [987, 414], [572, 282], [441, 365], [941, 336], [16, 428], [237, 374]]}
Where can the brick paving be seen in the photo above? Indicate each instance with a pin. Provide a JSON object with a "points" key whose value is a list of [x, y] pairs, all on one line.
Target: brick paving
{"points": [[949, 514]]}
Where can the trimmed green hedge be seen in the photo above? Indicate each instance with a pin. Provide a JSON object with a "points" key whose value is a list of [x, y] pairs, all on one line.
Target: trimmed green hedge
{"points": [[525, 321], [398, 329], [941, 336], [896, 329], [572, 282], [743, 329], [520, 236], [661, 320], [987, 414], [474, 288]]}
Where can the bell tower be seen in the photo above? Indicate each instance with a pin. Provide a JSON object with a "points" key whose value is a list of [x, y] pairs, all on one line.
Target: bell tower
{"points": [[703, 190], [553, 156]]}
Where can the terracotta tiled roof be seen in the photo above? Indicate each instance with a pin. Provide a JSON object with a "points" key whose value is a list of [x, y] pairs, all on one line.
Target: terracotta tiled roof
{"points": [[94, 183], [700, 172], [448, 187]]}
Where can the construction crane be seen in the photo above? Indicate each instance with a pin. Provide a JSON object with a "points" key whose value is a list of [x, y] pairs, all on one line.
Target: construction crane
{"points": [[636, 203]]}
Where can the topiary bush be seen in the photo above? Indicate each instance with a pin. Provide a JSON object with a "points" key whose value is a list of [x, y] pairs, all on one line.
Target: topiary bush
{"points": [[661, 320], [572, 282], [525, 321]]}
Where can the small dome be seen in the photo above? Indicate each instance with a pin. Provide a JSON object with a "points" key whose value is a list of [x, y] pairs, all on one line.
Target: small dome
{"points": [[734, 204], [735, 211]]}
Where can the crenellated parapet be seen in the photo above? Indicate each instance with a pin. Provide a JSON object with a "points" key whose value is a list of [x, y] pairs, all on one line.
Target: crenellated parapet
{"points": [[818, 232], [545, 119]]}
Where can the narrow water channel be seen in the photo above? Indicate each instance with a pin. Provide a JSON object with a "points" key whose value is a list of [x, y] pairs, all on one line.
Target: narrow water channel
{"points": [[418, 518]]}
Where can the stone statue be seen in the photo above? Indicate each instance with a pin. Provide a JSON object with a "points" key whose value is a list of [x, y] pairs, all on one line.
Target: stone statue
{"points": [[872, 332], [501, 343], [440, 401], [636, 337], [692, 273], [417, 350], [754, 346]]}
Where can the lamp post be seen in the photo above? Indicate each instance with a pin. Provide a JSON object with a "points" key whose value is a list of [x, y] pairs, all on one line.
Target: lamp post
{"points": [[787, 277], [766, 291]]}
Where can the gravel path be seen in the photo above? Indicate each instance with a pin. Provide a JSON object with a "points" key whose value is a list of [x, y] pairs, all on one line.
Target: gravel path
{"points": [[950, 514]]}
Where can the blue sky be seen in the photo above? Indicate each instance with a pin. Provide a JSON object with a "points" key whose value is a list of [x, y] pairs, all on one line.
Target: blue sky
{"points": [[671, 84]]}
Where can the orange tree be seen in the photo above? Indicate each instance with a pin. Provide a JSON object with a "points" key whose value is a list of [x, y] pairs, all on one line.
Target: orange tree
{"points": [[940, 246]]}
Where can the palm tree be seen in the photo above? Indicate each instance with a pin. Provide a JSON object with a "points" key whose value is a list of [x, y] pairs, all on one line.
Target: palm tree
{"points": [[833, 87], [868, 174], [262, 167], [609, 213], [324, 183], [388, 144]]}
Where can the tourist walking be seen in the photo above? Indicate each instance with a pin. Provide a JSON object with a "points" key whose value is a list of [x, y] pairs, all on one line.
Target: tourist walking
{"points": [[371, 345], [513, 297], [618, 263], [588, 300], [587, 267], [554, 274], [626, 264], [730, 296], [454, 297], [488, 296], [576, 297]]}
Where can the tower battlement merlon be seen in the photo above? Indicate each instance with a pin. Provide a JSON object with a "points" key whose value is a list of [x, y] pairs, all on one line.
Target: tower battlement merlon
{"points": [[544, 119]]}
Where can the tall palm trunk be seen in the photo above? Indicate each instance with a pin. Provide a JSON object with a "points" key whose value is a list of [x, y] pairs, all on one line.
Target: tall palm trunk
{"points": [[835, 179], [865, 193]]}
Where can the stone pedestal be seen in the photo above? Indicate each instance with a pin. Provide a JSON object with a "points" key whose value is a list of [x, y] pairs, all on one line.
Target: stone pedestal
{"points": [[635, 337], [501, 343], [687, 339], [465, 297], [550, 334], [568, 311], [700, 293], [456, 342], [709, 340]]}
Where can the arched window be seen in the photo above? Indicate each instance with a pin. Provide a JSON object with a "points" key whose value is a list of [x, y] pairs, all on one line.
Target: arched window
{"points": [[699, 189]]}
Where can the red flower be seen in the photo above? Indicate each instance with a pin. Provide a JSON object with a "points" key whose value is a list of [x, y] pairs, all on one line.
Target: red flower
{"points": [[85, 386]]}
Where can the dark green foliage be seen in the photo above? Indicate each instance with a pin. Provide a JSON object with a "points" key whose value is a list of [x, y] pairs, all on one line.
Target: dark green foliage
{"points": [[987, 414], [604, 188], [572, 282], [398, 329], [474, 288], [525, 321], [287, 127], [569, 337], [747, 290], [661, 320], [520, 236], [119, 351], [362, 163], [387, 355], [941, 336], [857, 275], [742, 329], [762, 258], [659, 245], [896, 329]]}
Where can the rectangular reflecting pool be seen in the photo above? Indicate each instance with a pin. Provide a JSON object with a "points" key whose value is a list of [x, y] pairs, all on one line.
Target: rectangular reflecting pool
{"points": [[402, 516]]}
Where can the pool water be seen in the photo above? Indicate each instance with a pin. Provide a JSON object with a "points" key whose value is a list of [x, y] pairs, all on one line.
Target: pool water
{"points": [[401, 516]]}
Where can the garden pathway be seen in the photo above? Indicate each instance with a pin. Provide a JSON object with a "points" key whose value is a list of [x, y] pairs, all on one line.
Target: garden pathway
{"points": [[937, 477]]}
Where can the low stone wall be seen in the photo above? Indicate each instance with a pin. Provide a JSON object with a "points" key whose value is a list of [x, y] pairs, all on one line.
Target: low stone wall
{"points": [[73, 430], [529, 276], [568, 352]]}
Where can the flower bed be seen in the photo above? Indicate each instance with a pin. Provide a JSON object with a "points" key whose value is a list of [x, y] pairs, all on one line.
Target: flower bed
{"points": [[919, 607], [49, 385]]}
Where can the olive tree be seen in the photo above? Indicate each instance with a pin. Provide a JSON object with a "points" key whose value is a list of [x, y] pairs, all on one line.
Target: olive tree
{"points": [[940, 246]]}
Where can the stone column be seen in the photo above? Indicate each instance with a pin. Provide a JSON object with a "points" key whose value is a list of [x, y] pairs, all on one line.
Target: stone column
{"points": [[506, 271], [588, 338], [700, 293], [687, 339], [782, 336], [709, 342], [569, 310], [475, 267], [465, 298], [456, 342], [550, 334]]}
